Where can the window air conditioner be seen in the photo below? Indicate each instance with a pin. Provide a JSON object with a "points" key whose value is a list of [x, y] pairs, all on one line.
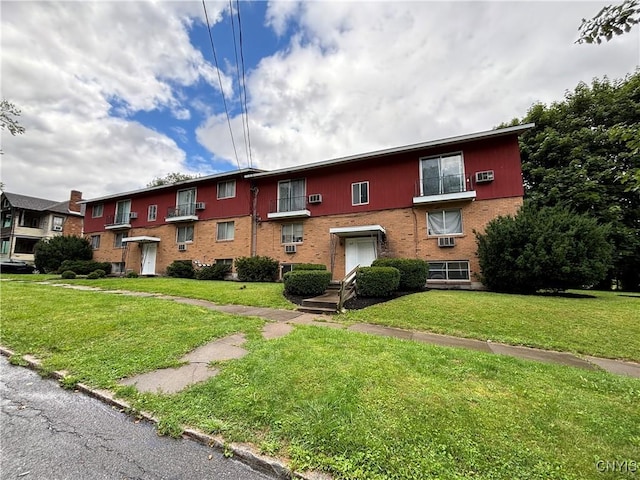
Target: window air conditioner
{"points": [[182, 247], [289, 249], [315, 198], [446, 241], [133, 215], [484, 176], [57, 228], [200, 205]]}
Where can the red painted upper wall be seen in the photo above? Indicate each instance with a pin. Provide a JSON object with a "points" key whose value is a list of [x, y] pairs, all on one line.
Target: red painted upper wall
{"points": [[394, 179], [165, 199]]}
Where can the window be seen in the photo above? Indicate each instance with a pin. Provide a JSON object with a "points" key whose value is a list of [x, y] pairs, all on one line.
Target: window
{"points": [[25, 245], [227, 189], [152, 213], [292, 233], [6, 220], [442, 174], [184, 234], [123, 211], [97, 210], [360, 193], [458, 270], [117, 242], [444, 222], [186, 202], [117, 267], [292, 195], [224, 261], [226, 231], [4, 249], [95, 242], [57, 224]]}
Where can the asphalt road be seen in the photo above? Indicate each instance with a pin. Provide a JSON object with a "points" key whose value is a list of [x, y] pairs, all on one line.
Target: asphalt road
{"points": [[50, 433]]}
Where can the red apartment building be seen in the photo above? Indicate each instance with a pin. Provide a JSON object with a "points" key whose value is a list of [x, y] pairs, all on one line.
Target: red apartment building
{"points": [[417, 201]]}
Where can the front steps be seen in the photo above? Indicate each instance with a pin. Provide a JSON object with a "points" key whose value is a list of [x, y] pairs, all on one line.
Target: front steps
{"points": [[326, 303]]}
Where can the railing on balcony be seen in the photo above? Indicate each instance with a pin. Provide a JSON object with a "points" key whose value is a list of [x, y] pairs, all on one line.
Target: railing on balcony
{"points": [[182, 210], [120, 218], [444, 188], [289, 207]]}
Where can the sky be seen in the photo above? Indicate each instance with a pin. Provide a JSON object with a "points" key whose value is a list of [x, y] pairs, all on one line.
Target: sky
{"points": [[116, 93]]}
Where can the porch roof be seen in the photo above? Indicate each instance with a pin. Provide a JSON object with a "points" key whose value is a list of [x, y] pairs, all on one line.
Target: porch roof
{"points": [[357, 231], [140, 239]]}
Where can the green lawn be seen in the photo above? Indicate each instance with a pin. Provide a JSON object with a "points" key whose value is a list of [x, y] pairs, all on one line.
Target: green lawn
{"points": [[606, 324], [357, 406]]}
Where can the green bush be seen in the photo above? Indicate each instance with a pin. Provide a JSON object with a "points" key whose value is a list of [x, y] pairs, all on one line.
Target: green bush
{"points": [[540, 249], [377, 281], [68, 274], [413, 271], [257, 269], [93, 275], [51, 252], [306, 282], [181, 269], [84, 267], [215, 272], [101, 273], [132, 275], [309, 266]]}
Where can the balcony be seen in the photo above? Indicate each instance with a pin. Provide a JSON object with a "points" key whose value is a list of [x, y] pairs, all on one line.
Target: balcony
{"points": [[185, 212], [442, 189], [119, 221], [289, 207]]}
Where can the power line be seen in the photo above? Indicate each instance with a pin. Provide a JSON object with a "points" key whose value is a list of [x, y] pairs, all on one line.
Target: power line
{"points": [[244, 86], [215, 58], [240, 85]]}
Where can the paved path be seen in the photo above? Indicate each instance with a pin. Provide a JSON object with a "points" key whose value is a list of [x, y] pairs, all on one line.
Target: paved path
{"points": [[619, 367]]}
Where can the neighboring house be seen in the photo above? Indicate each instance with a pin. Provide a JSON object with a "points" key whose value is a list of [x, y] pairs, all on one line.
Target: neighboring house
{"points": [[25, 220], [417, 201]]}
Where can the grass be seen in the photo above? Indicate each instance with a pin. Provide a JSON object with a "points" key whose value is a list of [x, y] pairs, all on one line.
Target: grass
{"points": [[221, 292], [357, 406], [606, 324]]}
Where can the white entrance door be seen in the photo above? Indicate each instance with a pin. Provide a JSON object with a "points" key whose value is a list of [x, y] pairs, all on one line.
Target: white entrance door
{"points": [[149, 251], [359, 251]]}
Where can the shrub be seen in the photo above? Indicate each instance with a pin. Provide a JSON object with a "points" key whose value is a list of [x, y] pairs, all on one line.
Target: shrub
{"points": [[68, 274], [84, 267], [101, 273], [548, 248], [181, 269], [93, 275], [51, 252], [306, 282], [214, 272], [309, 266], [132, 275], [377, 281], [413, 271], [257, 269]]}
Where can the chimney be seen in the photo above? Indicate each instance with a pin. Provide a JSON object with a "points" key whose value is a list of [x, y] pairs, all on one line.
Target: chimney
{"points": [[76, 196]]}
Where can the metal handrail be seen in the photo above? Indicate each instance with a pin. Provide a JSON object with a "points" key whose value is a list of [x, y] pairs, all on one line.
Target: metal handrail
{"points": [[347, 286]]}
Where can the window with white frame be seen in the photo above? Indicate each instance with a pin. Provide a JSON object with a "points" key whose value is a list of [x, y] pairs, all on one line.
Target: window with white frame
{"points": [[442, 174], [186, 202], [95, 242], [226, 231], [444, 222], [456, 270], [57, 224], [97, 210], [292, 195], [184, 234], [117, 240], [152, 213], [226, 189], [292, 233], [360, 193], [123, 212]]}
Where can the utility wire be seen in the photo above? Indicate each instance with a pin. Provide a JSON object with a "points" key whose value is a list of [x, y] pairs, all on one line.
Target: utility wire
{"points": [[240, 85], [244, 86], [215, 58]]}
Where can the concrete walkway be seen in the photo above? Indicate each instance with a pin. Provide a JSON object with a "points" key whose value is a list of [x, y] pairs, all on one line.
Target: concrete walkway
{"points": [[283, 319]]}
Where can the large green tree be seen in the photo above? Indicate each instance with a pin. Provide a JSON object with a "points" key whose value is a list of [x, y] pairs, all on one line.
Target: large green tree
{"points": [[584, 153], [612, 20]]}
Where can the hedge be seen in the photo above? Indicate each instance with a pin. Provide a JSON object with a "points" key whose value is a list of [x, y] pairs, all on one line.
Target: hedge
{"points": [[413, 271], [181, 269], [68, 274], [84, 267], [257, 269], [309, 266], [377, 281], [215, 272], [306, 282]]}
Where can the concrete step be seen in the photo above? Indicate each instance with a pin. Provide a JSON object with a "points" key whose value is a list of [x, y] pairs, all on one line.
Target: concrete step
{"points": [[316, 303], [316, 310]]}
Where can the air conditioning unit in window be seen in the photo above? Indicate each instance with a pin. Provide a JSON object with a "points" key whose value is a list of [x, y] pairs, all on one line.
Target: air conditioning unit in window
{"points": [[200, 205], [446, 241], [484, 176], [182, 247], [133, 215], [57, 228], [290, 249], [315, 198]]}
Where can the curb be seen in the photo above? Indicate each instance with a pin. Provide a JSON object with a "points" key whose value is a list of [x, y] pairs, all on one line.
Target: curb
{"points": [[244, 453]]}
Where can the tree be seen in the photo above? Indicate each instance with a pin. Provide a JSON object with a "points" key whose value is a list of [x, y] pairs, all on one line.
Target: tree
{"points": [[583, 153], [611, 20], [170, 178], [8, 112], [50, 253], [546, 248]]}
